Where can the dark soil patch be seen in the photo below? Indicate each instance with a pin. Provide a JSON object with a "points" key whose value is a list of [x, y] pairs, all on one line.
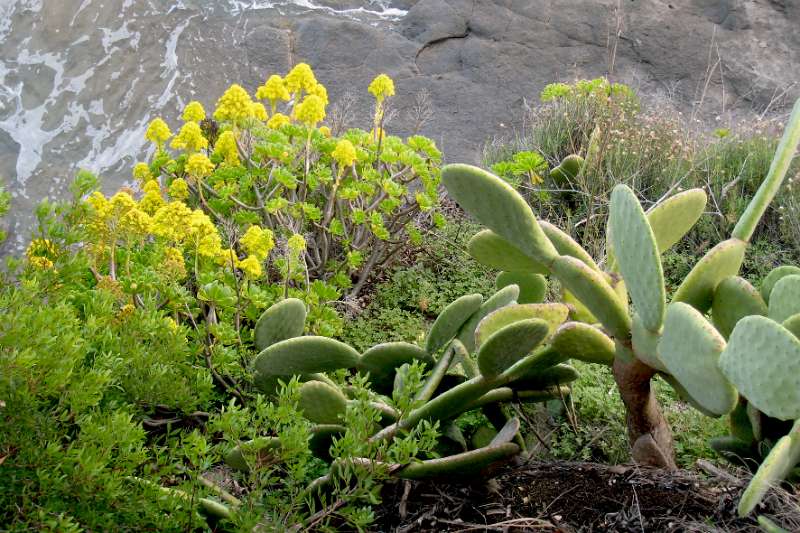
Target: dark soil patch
{"points": [[569, 496]]}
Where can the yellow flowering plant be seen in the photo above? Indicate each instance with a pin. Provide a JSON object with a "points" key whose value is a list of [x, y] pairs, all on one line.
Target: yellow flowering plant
{"points": [[358, 197]]}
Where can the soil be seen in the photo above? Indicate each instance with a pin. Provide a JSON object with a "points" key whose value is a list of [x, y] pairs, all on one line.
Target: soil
{"points": [[570, 496]]}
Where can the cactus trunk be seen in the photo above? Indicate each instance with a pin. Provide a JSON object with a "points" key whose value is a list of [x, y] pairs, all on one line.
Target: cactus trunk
{"points": [[649, 433]]}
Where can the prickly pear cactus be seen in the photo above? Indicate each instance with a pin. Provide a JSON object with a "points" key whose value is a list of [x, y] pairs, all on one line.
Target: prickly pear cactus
{"points": [[725, 347]]}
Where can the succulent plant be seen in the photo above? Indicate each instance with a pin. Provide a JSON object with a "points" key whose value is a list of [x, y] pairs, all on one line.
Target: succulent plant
{"points": [[725, 347], [479, 354]]}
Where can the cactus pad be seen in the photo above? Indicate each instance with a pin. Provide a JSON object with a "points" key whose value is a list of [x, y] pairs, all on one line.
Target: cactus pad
{"points": [[583, 342], [778, 463], [382, 360], [734, 299], [532, 287], [555, 375], [637, 256], [460, 466], [645, 344], [490, 249], [793, 324], [321, 403], [720, 262], [284, 320], [674, 217], [303, 355], [510, 344], [690, 348], [553, 313], [261, 448], [775, 275], [591, 288], [762, 360], [503, 297], [566, 245], [577, 311], [785, 298], [450, 321], [496, 205]]}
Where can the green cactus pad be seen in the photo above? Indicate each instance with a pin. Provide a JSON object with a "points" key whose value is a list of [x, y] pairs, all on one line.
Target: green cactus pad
{"points": [[591, 288], [560, 374], [762, 360], [284, 320], [483, 436], [583, 342], [451, 402], [674, 217], [503, 297], [577, 311], [270, 384], [566, 245], [553, 313], [774, 276], [645, 344], [690, 348], [780, 461], [303, 355], [496, 205], [382, 360], [734, 299], [785, 298], [322, 437], [739, 422], [450, 321], [321, 403], [510, 344], [508, 394], [461, 466], [756, 419], [532, 287], [684, 395], [571, 165], [734, 450], [793, 324], [490, 249], [259, 450], [768, 526], [637, 256], [720, 262]]}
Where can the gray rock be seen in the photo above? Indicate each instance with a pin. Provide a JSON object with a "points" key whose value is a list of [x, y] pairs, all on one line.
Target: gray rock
{"points": [[480, 61]]}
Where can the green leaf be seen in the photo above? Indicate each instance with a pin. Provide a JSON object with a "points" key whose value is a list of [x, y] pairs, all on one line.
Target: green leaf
{"points": [[284, 320], [450, 321], [305, 355], [510, 344]]}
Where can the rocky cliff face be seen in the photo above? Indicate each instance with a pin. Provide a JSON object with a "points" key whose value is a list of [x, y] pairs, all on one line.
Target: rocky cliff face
{"points": [[81, 81]]}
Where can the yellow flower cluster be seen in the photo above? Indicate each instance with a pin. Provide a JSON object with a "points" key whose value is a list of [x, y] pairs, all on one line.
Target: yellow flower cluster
{"points": [[325, 130], [190, 138], [199, 166], [135, 222], [203, 235], [259, 111], [173, 263], [193, 112], [251, 267], [235, 104], [300, 77], [311, 110], [171, 221], [344, 154], [321, 91], [152, 199], [273, 90], [278, 120], [227, 149], [142, 172], [258, 242], [381, 87], [158, 132], [178, 189], [40, 252]]}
